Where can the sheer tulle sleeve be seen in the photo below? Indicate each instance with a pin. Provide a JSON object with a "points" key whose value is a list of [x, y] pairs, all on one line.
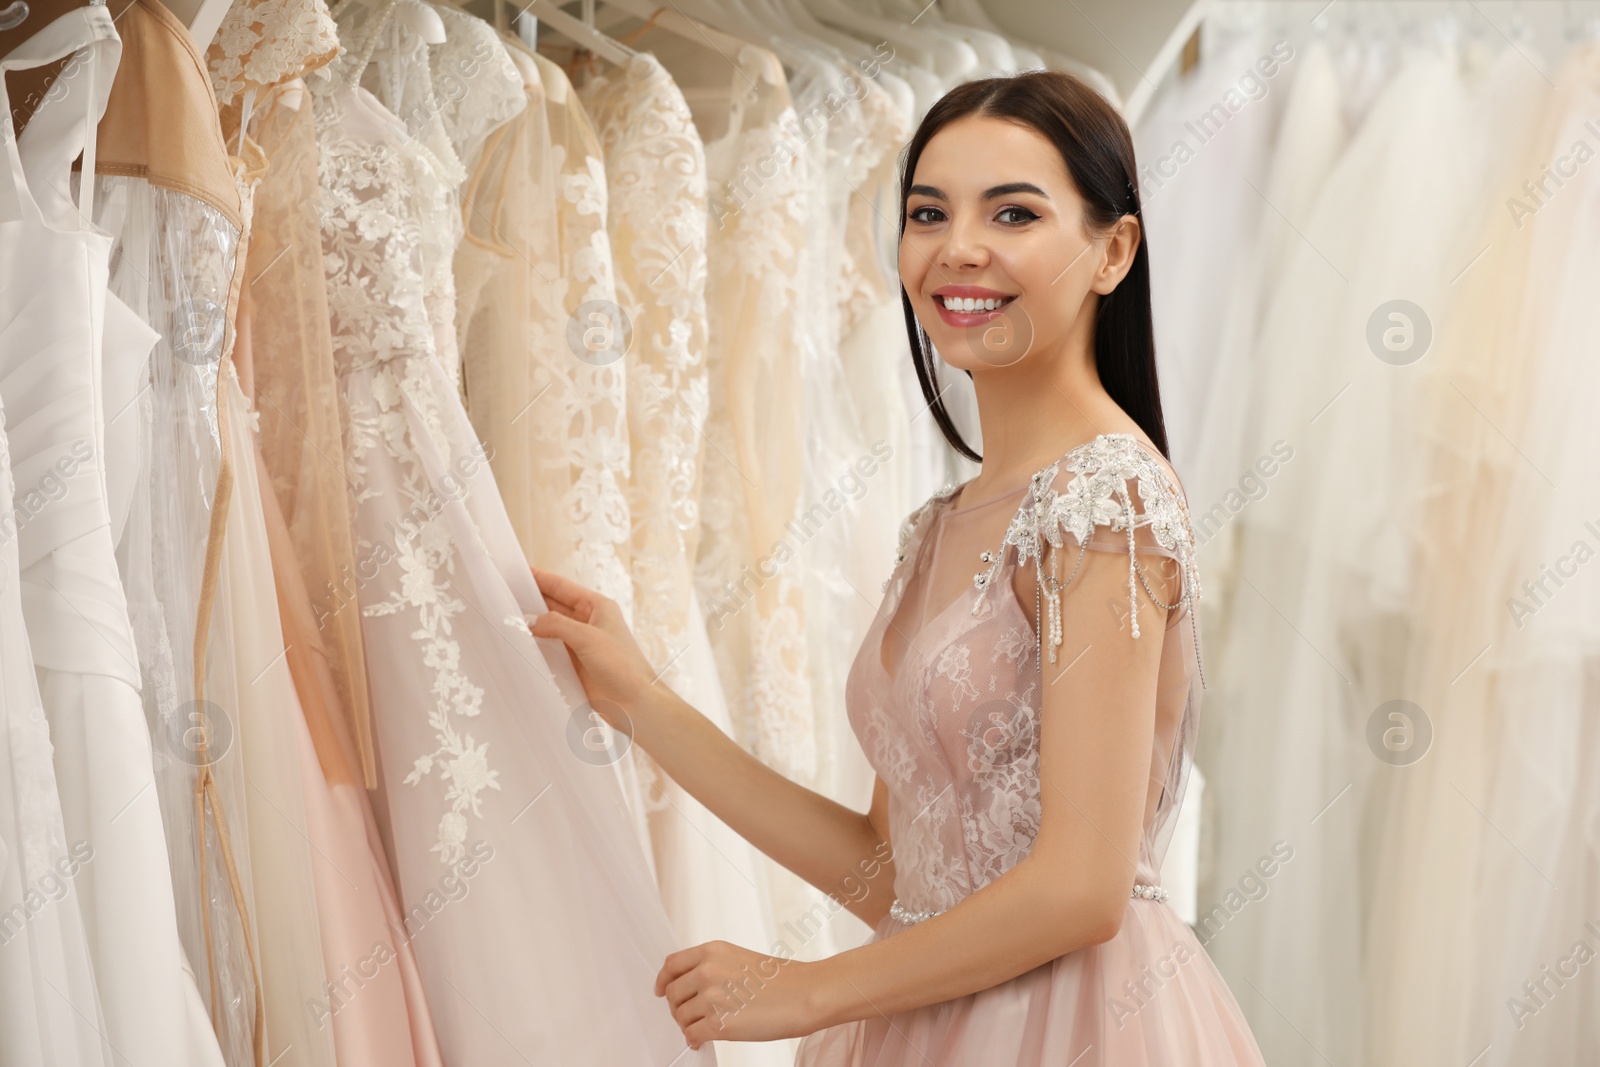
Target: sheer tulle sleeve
{"points": [[1109, 495], [1115, 496]]}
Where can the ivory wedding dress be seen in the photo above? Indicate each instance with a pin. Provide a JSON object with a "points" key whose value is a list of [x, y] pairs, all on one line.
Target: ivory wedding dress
{"points": [[1501, 801], [536, 925], [944, 696], [1318, 632], [49, 1004], [53, 383]]}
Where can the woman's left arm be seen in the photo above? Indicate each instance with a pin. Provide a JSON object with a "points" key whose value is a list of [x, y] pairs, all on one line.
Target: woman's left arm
{"points": [[1071, 891]]}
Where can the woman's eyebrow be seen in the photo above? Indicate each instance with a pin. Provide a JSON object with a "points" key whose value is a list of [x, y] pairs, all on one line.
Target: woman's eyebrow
{"points": [[989, 194]]}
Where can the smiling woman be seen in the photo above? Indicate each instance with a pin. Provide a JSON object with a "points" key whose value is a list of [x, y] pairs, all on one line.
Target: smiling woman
{"points": [[1031, 747]]}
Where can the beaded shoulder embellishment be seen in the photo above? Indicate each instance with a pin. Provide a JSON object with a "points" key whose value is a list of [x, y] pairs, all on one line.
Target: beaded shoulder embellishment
{"points": [[1097, 495], [909, 526]]}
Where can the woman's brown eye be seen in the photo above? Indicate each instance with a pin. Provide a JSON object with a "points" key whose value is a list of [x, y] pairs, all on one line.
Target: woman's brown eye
{"points": [[920, 214], [1024, 215]]}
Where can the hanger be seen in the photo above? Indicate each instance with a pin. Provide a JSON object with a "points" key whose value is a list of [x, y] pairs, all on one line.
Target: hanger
{"points": [[995, 53], [942, 53], [582, 32], [1166, 58]]}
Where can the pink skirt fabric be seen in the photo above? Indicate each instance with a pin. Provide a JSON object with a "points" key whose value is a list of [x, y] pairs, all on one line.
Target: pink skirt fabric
{"points": [[1149, 997]]}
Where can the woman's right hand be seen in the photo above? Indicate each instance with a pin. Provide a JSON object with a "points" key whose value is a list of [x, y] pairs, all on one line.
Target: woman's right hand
{"points": [[615, 674]]}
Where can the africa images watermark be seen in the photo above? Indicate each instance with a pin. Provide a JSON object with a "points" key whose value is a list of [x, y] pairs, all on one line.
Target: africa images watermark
{"points": [[1252, 87], [1252, 487], [406, 531], [50, 888], [797, 130], [1553, 576], [737, 593], [809, 925], [453, 886]]}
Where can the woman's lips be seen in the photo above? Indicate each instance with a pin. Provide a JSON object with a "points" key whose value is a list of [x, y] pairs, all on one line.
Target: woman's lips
{"points": [[969, 318]]}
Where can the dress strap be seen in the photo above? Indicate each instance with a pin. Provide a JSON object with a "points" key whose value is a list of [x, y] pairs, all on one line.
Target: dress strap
{"points": [[55, 136]]}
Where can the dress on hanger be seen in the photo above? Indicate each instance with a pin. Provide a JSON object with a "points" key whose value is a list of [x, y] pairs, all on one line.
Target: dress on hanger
{"points": [[48, 949], [873, 355], [1497, 668], [656, 217], [538, 930], [449, 96], [944, 696], [53, 382], [710, 880], [555, 426], [365, 1006], [1319, 634]]}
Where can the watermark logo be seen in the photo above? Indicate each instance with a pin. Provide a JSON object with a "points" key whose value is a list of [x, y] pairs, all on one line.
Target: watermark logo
{"points": [[599, 332], [1399, 732], [199, 733], [593, 739], [1399, 332]]}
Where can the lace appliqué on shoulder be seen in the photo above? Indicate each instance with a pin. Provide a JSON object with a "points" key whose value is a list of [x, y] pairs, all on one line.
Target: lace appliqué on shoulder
{"points": [[262, 43], [1097, 495]]}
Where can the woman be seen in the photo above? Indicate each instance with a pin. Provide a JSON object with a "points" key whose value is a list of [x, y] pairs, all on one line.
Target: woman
{"points": [[1028, 692]]}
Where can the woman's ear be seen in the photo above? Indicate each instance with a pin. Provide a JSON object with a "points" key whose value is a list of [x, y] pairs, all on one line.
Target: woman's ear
{"points": [[1121, 244]]}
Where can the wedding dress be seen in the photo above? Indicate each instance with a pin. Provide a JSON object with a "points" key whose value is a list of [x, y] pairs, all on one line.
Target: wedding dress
{"points": [[364, 1004], [49, 1004], [1319, 635], [449, 96], [537, 928], [535, 262], [1209, 209], [944, 697], [1499, 803], [1310, 137], [655, 164], [52, 382]]}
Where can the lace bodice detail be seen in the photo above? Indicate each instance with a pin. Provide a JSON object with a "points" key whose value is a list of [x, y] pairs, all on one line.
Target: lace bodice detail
{"points": [[446, 95], [952, 723]]}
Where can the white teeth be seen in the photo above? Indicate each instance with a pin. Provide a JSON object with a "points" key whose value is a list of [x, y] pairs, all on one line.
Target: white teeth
{"points": [[970, 304]]}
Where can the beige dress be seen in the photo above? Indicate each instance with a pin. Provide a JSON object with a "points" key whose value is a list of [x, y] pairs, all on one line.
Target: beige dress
{"points": [[712, 883], [535, 262]]}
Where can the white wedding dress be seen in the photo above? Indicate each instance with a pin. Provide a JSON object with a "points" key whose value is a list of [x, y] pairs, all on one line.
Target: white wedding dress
{"points": [[43, 941], [54, 303], [1318, 635], [1504, 802], [536, 925]]}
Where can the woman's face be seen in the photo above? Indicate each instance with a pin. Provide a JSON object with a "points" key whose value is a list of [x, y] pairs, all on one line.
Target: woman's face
{"points": [[995, 256]]}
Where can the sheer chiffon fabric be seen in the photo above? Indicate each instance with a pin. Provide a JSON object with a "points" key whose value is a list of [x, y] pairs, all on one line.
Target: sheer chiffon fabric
{"points": [[945, 698], [1501, 662], [1320, 632]]}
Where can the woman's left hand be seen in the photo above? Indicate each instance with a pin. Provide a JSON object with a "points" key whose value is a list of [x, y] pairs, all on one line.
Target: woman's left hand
{"points": [[721, 992]]}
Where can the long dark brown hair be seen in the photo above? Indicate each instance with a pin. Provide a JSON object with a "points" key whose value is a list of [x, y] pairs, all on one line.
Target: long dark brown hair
{"points": [[1098, 150]]}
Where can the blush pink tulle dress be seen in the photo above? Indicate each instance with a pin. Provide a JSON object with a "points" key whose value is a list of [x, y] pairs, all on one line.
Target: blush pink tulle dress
{"points": [[950, 718]]}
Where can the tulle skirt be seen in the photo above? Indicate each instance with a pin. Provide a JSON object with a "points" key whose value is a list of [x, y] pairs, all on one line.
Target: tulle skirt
{"points": [[1149, 997]]}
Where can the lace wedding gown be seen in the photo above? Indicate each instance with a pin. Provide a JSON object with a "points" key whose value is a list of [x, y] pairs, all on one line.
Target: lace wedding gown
{"points": [[944, 696], [536, 925], [53, 384]]}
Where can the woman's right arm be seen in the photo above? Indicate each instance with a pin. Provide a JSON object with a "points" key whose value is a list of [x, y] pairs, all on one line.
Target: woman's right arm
{"points": [[841, 852]]}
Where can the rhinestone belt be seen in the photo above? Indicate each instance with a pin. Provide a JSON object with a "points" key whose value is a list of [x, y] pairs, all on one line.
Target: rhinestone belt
{"points": [[909, 917]]}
